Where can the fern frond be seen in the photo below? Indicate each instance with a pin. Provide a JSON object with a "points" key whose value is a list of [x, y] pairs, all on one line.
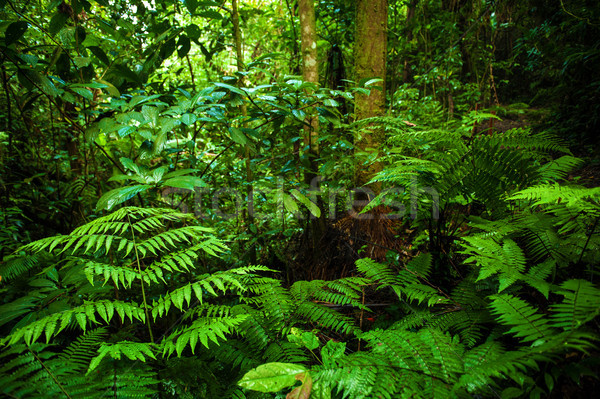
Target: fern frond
{"points": [[526, 140], [505, 259], [220, 281], [286, 352], [523, 318], [353, 376], [80, 352], [579, 197], [131, 350], [202, 330], [377, 272], [82, 315], [558, 169], [581, 304], [17, 265], [323, 317], [238, 354]]}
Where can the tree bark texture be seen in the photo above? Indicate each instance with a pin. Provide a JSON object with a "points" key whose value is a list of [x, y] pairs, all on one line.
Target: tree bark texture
{"points": [[310, 66], [370, 62]]}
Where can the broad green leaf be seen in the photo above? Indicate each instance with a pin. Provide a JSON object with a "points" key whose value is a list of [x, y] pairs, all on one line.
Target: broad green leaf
{"points": [[179, 173], [100, 54], [57, 22], [238, 136], [151, 115], [289, 203], [110, 88], [126, 131], [271, 377], [32, 78], [193, 32], [187, 182], [231, 88], [210, 14], [89, 85], [312, 207], [120, 195], [85, 93], [129, 164], [372, 81], [184, 45], [15, 31], [158, 173], [188, 119], [331, 351], [191, 5], [81, 62], [299, 114]]}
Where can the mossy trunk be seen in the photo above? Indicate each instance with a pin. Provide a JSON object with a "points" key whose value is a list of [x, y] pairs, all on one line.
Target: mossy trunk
{"points": [[370, 62], [310, 73]]}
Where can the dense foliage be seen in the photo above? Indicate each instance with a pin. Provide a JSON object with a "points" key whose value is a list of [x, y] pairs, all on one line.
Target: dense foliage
{"points": [[180, 218]]}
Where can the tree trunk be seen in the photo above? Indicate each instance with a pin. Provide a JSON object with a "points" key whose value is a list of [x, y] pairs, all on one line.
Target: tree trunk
{"points": [[370, 62], [410, 14], [237, 40], [310, 73]]}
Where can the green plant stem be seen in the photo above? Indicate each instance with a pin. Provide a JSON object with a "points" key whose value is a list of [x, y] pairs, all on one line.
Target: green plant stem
{"points": [[588, 239], [49, 372], [137, 258]]}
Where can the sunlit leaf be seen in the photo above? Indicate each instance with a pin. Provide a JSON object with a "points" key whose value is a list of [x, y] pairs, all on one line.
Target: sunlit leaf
{"points": [[271, 377], [119, 195]]}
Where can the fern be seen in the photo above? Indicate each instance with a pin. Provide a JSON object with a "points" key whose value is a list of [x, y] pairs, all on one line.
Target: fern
{"points": [[136, 351], [581, 304], [523, 318], [80, 316], [33, 371]]}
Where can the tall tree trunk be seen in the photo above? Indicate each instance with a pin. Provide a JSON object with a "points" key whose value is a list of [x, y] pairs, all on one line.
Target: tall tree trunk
{"points": [[370, 62], [237, 39], [310, 73], [410, 14]]}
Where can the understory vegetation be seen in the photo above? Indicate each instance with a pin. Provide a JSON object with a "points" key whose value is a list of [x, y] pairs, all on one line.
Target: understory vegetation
{"points": [[234, 199]]}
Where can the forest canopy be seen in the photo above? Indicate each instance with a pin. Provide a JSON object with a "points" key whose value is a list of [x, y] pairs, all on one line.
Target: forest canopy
{"points": [[299, 198]]}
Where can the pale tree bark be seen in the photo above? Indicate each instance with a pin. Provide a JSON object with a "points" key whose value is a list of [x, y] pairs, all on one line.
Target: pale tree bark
{"points": [[370, 62], [310, 73]]}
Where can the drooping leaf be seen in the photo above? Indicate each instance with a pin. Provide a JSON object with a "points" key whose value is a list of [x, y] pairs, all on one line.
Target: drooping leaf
{"points": [[57, 22], [81, 62], [100, 54], [110, 88], [15, 31], [187, 182], [271, 377], [212, 14], [120, 195], [184, 45], [312, 207], [85, 93], [238, 136], [231, 88], [191, 5], [188, 119]]}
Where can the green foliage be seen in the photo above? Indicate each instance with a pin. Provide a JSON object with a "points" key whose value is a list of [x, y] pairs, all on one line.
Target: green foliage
{"points": [[112, 111]]}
